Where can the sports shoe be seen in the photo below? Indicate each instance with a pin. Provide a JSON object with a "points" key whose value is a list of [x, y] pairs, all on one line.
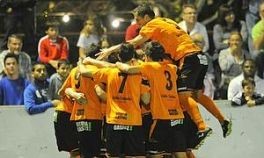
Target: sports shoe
{"points": [[227, 128], [202, 135]]}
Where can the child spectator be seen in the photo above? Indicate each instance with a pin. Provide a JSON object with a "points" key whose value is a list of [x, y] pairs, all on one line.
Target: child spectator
{"points": [[12, 85], [57, 79], [248, 70], [35, 95], [91, 33], [52, 48], [249, 96]]}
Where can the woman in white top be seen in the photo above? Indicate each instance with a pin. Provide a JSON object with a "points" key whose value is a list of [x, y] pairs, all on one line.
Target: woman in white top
{"points": [[91, 33]]}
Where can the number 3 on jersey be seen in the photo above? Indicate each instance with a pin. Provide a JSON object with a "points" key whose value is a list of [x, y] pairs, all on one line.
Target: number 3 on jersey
{"points": [[169, 83]]}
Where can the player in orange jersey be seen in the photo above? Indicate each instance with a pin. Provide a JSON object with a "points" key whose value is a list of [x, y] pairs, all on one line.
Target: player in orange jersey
{"points": [[86, 112], [192, 63], [124, 131], [65, 130], [165, 106]]}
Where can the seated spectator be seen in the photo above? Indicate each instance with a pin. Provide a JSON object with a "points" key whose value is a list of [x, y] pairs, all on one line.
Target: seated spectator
{"points": [[191, 26], [36, 93], [14, 45], [57, 79], [227, 22], [230, 61], [12, 86], [91, 33], [248, 95], [248, 70], [208, 12], [251, 18], [258, 41], [52, 47]]}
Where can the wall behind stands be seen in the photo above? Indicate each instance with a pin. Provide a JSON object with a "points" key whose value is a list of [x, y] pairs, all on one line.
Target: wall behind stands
{"points": [[25, 136]]}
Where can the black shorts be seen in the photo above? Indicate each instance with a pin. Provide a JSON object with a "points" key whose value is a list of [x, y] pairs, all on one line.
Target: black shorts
{"points": [[147, 122], [124, 140], [169, 136], [89, 134], [190, 131], [191, 75], [104, 125], [65, 132]]}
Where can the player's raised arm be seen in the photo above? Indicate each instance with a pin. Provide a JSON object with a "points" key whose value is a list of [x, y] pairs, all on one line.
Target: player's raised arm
{"points": [[128, 68]]}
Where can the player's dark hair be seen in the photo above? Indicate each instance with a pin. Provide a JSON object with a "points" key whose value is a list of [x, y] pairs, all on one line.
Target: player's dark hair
{"points": [[127, 52], [93, 50], [155, 51], [144, 9]]}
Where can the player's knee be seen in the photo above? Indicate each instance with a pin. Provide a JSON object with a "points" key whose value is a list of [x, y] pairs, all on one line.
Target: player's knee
{"points": [[180, 155], [75, 153]]}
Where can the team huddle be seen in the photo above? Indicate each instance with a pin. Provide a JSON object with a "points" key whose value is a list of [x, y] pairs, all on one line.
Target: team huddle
{"points": [[135, 105]]}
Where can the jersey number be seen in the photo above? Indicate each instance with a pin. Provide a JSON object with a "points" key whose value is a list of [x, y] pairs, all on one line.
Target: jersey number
{"points": [[122, 86], [169, 83]]}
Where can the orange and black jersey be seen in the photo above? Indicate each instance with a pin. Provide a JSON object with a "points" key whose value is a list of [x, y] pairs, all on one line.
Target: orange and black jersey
{"points": [[164, 102], [123, 96], [175, 41], [91, 110], [65, 105]]}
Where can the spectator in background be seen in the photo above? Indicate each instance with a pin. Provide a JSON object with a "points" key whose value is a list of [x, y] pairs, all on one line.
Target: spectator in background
{"points": [[230, 61], [92, 33], [12, 86], [258, 41], [248, 70], [208, 12], [14, 46], [227, 22], [52, 47], [248, 95], [251, 18], [191, 26], [20, 13], [57, 79], [36, 93], [132, 31]]}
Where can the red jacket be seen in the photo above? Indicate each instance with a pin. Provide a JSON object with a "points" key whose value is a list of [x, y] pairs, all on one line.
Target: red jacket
{"points": [[53, 50]]}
